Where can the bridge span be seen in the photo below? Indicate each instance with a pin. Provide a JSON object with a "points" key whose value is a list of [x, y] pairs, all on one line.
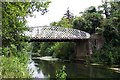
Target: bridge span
{"points": [[61, 34], [53, 33]]}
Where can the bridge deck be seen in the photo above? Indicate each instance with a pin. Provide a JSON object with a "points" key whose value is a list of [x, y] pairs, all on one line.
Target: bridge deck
{"points": [[56, 34], [54, 40]]}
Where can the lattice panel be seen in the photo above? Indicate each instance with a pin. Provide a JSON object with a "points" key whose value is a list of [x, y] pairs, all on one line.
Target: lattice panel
{"points": [[51, 32]]}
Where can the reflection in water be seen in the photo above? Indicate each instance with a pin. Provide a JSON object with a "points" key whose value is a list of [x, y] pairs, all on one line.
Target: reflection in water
{"points": [[73, 70], [33, 70]]}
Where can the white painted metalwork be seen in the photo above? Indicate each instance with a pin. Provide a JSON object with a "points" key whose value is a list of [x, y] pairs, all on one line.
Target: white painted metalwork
{"points": [[53, 32]]}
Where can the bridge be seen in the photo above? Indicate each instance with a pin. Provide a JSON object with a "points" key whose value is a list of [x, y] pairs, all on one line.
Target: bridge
{"points": [[61, 34], [52, 33]]}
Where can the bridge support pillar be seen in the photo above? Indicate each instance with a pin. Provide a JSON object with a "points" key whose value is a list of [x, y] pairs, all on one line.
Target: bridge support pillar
{"points": [[83, 49]]}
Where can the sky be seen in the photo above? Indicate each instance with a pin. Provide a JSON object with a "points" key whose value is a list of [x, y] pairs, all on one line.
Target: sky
{"points": [[57, 9]]}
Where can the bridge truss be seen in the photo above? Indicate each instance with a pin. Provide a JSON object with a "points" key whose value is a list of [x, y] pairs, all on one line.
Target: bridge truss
{"points": [[53, 33]]}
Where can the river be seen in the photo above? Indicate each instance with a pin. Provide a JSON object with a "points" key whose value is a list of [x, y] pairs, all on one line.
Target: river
{"points": [[43, 69]]}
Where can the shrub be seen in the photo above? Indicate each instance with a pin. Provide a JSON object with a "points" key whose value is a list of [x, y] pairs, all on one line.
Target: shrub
{"points": [[108, 54], [12, 67], [61, 74], [63, 50], [45, 49]]}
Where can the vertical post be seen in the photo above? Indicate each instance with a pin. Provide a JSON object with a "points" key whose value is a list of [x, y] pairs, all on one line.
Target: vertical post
{"points": [[37, 34], [31, 32], [37, 30]]}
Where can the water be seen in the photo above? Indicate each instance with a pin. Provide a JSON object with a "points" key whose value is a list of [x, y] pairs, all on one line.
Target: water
{"points": [[73, 69]]}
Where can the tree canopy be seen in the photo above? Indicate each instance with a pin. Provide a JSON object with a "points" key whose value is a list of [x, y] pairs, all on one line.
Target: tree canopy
{"points": [[14, 21]]}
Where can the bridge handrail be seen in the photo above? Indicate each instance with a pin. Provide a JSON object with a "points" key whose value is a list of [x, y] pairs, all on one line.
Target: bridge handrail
{"points": [[60, 31]]}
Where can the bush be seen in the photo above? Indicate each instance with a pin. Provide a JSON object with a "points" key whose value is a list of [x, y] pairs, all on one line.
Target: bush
{"points": [[45, 49], [108, 54], [14, 62], [63, 50], [12, 67], [61, 74]]}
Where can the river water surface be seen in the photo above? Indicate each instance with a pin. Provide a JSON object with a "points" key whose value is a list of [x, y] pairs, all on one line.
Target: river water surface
{"points": [[42, 68]]}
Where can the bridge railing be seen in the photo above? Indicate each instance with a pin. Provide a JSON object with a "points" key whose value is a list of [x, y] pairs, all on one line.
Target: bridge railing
{"points": [[52, 32]]}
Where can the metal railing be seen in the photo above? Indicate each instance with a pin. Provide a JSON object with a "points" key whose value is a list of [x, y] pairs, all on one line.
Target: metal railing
{"points": [[53, 32]]}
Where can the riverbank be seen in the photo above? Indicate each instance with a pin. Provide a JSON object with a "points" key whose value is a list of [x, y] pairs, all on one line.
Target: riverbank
{"points": [[47, 58], [115, 68]]}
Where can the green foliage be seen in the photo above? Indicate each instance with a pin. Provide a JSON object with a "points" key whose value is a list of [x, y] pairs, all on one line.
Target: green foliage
{"points": [[14, 48], [104, 20], [112, 25], [64, 22], [111, 32], [35, 47], [63, 50], [45, 49], [108, 54], [60, 50], [79, 23], [14, 26], [14, 64], [90, 21], [14, 22], [12, 67], [8, 51], [61, 74]]}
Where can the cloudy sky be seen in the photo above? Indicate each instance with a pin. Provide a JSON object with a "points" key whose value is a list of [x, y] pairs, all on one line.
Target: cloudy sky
{"points": [[58, 8]]}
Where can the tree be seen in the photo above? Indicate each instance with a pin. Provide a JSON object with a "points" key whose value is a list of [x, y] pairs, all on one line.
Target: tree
{"points": [[14, 22], [66, 20], [79, 23], [104, 9], [111, 24], [110, 53], [68, 15], [90, 21]]}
